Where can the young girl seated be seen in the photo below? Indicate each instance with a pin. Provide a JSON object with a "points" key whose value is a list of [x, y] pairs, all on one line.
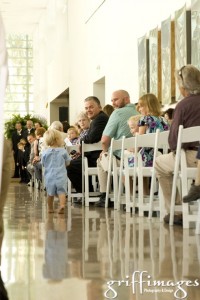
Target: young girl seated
{"points": [[54, 160], [72, 136], [133, 125]]}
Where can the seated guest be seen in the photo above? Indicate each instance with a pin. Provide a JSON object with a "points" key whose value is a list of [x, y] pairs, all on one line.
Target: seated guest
{"points": [[72, 136], [58, 126], [98, 122], [150, 109], [65, 126], [39, 132], [37, 125], [194, 192], [116, 128], [31, 139], [186, 113], [84, 124], [168, 115], [108, 109]]}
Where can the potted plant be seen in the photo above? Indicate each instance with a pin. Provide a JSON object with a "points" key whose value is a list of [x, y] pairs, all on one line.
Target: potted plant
{"points": [[10, 125]]}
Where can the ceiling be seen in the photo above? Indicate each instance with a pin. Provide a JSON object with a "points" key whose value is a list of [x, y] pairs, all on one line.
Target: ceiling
{"points": [[21, 16]]}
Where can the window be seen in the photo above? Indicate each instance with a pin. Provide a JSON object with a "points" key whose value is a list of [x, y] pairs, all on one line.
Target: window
{"points": [[19, 92]]}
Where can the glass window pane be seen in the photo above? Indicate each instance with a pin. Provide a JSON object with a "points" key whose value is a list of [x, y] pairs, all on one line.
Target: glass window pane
{"points": [[19, 91], [30, 62], [17, 88], [13, 71], [30, 88], [29, 70], [17, 62], [30, 53], [15, 97], [17, 80], [30, 97], [31, 106], [17, 53], [15, 107]]}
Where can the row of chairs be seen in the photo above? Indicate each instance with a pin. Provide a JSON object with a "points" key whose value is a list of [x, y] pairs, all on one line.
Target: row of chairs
{"points": [[158, 141], [122, 179]]}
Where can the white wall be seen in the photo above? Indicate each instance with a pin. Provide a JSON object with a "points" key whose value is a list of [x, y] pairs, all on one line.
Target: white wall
{"points": [[51, 62], [75, 50]]}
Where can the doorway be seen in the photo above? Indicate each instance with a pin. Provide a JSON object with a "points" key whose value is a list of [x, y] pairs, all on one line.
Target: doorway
{"points": [[99, 90]]}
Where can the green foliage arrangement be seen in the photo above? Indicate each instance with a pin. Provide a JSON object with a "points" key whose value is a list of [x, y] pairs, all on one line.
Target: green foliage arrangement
{"points": [[10, 125]]}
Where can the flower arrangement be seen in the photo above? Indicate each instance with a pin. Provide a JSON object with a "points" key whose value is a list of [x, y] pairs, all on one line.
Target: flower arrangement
{"points": [[10, 125]]}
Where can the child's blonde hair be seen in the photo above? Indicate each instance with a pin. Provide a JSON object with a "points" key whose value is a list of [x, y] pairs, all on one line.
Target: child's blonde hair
{"points": [[82, 115], [23, 141], [153, 104], [74, 129], [20, 144], [53, 137], [135, 119]]}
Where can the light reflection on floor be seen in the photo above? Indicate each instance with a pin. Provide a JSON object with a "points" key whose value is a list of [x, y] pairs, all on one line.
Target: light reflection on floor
{"points": [[74, 256]]}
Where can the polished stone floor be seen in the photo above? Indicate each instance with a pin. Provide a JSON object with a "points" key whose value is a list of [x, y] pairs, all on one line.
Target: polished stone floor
{"points": [[94, 254]]}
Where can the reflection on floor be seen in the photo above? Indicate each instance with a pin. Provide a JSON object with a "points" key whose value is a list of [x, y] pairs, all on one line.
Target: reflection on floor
{"points": [[94, 254]]}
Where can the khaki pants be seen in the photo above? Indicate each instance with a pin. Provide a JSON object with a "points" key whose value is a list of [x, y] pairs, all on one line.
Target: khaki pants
{"points": [[103, 176], [164, 170], [6, 175]]}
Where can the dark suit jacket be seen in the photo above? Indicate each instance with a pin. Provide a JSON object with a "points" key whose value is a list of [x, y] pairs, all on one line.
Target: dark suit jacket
{"points": [[94, 135], [26, 132], [16, 138]]}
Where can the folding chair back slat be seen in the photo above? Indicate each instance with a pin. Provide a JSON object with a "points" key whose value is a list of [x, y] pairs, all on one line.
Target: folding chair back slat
{"points": [[127, 143], [113, 170], [181, 170], [161, 143], [88, 171], [148, 140]]}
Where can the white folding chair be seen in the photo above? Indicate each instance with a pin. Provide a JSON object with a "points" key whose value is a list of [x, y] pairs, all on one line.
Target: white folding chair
{"points": [[144, 141], [126, 172], [197, 231], [161, 144], [185, 173], [70, 192], [113, 171], [89, 171]]}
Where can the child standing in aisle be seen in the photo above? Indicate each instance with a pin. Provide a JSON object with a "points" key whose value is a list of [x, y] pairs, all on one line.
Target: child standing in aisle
{"points": [[22, 159], [54, 160]]}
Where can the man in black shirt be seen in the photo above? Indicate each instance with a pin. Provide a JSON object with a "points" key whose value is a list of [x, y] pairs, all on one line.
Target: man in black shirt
{"points": [[99, 120]]}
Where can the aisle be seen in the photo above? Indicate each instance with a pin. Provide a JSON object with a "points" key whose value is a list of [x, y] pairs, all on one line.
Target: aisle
{"points": [[73, 256]]}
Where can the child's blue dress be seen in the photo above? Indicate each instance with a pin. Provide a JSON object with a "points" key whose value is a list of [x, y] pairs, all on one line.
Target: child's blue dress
{"points": [[55, 172]]}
